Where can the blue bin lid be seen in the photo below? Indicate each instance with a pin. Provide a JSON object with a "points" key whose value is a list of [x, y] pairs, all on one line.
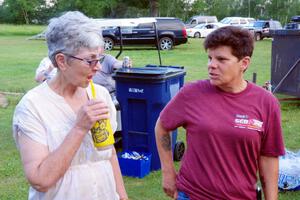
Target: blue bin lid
{"points": [[149, 72]]}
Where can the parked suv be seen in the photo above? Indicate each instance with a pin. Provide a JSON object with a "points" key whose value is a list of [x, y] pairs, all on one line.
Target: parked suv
{"points": [[294, 23], [262, 28], [171, 32]]}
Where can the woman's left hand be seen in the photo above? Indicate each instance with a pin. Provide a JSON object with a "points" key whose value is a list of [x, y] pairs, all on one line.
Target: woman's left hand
{"points": [[91, 112]]}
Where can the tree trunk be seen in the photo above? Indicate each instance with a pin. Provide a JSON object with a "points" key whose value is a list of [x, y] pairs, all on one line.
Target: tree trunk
{"points": [[25, 15], [153, 8]]}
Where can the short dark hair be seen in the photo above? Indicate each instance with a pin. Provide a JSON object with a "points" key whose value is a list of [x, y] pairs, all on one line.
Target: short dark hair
{"points": [[240, 40]]}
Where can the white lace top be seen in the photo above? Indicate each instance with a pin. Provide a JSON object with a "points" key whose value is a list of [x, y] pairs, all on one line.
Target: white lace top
{"points": [[46, 118]]}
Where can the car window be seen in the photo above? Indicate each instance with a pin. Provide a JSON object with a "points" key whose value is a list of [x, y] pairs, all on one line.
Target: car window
{"points": [[194, 22], [126, 29], [212, 19], [226, 20], [267, 25], [200, 26], [234, 21], [145, 26], [243, 21], [275, 25], [170, 24], [258, 24], [251, 20]]}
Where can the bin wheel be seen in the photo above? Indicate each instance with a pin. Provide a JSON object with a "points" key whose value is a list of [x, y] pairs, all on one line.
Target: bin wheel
{"points": [[178, 151]]}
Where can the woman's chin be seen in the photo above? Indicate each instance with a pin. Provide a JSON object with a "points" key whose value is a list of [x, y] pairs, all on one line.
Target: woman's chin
{"points": [[85, 84], [214, 82]]}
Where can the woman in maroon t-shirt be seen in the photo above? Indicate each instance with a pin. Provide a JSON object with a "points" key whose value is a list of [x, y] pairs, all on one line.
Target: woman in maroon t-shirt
{"points": [[233, 128]]}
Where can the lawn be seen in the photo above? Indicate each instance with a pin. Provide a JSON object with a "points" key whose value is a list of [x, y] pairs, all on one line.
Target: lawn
{"points": [[19, 58]]}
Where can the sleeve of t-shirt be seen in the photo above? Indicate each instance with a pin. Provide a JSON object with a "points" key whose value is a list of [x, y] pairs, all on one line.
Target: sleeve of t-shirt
{"points": [[173, 115], [272, 141], [108, 64], [26, 121]]}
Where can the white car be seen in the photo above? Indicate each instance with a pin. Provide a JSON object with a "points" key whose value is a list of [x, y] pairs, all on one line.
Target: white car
{"points": [[238, 21], [201, 30]]}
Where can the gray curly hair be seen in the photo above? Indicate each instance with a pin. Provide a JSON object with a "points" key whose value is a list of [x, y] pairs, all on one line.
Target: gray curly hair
{"points": [[71, 32]]}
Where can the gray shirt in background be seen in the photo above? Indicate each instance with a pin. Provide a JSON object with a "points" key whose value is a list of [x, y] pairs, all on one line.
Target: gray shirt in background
{"points": [[104, 75]]}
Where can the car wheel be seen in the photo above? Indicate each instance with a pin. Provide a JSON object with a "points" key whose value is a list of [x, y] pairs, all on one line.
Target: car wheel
{"points": [[165, 43], [178, 151], [197, 35], [108, 44], [258, 36]]}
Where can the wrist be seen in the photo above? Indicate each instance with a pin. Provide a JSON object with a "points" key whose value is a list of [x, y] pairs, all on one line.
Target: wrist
{"points": [[77, 130]]}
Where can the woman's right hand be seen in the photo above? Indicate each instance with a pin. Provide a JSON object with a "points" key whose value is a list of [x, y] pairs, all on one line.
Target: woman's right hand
{"points": [[91, 112], [169, 183]]}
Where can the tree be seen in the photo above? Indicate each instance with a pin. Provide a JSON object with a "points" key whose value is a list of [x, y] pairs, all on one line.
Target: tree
{"points": [[153, 8], [22, 11], [32, 11]]}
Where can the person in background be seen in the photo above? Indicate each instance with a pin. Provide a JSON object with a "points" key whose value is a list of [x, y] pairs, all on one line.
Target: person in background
{"points": [[52, 122], [45, 70], [104, 75], [233, 128]]}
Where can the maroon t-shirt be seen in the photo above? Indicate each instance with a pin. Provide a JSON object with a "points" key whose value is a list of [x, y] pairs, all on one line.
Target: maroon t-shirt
{"points": [[226, 134]]}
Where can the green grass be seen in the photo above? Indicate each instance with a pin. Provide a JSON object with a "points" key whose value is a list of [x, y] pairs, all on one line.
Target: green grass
{"points": [[29, 30], [19, 58]]}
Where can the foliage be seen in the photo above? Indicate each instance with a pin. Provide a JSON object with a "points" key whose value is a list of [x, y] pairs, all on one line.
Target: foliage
{"points": [[38, 11], [21, 11], [93, 8], [168, 9], [281, 10]]}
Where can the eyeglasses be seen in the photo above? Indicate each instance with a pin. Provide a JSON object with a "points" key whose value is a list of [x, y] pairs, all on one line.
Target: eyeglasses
{"points": [[91, 63]]}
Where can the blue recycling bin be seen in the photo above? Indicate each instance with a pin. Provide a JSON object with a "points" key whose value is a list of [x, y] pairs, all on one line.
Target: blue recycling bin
{"points": [[142, 94]]}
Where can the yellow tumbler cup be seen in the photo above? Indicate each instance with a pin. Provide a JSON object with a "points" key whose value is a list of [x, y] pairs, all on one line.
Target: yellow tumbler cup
{"points": [[102, 133]]}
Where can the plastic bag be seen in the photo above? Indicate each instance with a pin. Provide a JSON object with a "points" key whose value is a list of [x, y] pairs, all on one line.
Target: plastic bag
{"points": [[289, 171]]}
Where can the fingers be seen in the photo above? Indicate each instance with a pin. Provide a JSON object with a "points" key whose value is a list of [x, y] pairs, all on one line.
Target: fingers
{"points": [[97, 109], [169, 192], [175, 196], [91, 112]]}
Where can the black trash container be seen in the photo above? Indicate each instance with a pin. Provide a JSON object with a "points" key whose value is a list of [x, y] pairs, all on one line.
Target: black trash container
{"points": [[285, 64]]}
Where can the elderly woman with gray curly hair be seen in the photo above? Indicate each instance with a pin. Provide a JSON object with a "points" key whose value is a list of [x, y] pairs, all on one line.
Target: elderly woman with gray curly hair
{"points": [[52, 122]]}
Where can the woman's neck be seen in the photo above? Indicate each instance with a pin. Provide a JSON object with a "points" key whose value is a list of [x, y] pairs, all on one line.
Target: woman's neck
{"points": [[235, 88], [63, 88]]}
